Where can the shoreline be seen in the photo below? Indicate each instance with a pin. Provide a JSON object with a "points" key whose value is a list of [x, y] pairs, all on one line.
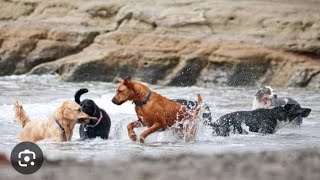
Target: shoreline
{"points": [[284, 164]]}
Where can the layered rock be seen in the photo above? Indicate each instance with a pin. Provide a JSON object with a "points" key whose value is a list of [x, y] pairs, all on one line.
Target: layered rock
{"points": [[182, 43]]}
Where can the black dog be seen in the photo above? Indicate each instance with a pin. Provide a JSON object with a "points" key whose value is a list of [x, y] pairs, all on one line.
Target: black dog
{"points": [[260, 120], [281, 101], [266, 97], [191, 105], [93, 129]]}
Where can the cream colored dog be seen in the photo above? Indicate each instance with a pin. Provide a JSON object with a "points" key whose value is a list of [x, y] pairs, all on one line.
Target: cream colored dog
{"points": [[59, 127]]}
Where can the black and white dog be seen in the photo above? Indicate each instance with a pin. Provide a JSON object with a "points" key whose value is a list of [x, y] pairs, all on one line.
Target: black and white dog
{"points": [[260, 120], [267, 98], [93, 129], [191, 105]]}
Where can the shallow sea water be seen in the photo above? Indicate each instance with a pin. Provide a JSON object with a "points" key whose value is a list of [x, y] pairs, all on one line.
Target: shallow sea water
{"points": [[41, 95]]}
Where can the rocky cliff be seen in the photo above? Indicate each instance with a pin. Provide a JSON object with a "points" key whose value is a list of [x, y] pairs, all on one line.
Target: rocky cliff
{"points": [[181, 42]]}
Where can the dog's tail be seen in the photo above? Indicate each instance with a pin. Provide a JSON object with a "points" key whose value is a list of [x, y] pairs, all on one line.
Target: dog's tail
{"points": [[197, 109], [79, 93], [21, 114]]}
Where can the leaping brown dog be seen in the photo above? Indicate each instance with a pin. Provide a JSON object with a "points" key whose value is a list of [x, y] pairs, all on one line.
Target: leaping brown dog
{"points": [[153, 110]]}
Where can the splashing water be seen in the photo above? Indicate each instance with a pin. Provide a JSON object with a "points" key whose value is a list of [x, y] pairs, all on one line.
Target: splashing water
{"points": [[41, 95]]}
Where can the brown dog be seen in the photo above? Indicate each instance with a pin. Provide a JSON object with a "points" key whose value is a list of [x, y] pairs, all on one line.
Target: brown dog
{"points": [[153, 110], [58, 128]]}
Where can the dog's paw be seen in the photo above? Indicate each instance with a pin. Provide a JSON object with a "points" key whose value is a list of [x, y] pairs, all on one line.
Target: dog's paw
{"points": [[141, 140], [133, 137]]}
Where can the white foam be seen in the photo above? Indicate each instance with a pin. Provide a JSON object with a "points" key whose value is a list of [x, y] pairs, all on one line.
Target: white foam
{"points": [[41, 96]]}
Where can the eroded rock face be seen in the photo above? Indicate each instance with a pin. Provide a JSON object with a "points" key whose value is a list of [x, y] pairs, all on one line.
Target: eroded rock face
{"points": [[183, 43]]}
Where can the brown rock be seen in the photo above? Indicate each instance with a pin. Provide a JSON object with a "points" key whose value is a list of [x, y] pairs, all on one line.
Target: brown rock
{"points": [[12, 52], [12, 10], [186, 42], [44, 51], [154, 68]]}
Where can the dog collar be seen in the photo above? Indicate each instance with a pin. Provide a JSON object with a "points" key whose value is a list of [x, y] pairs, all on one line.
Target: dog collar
{"points": [[101, 116], [137, 103], [60, 126]]}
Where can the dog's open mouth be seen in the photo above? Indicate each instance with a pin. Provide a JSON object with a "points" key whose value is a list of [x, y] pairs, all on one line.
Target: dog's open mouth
{"points": [[90, 120]]}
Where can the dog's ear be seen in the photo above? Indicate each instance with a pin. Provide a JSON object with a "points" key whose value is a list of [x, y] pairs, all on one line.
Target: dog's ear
{"points": [[58, 114], [128, 78], [287, 107], [264, 100], [305, 112], [127, 82], [119, 80], [64, 112]]}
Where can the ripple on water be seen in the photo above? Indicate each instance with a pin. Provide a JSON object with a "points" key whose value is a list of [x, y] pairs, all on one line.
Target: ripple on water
{"points": [[40, 95]]}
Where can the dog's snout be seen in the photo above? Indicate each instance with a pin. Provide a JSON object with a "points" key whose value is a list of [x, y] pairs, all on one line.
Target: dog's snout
{"points": [[275, 96], [115, 101]]}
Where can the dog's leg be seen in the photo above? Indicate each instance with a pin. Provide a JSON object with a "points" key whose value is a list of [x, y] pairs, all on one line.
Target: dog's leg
{"points": [[155, 127], [130, 128], [189, 132], [197, 109]]}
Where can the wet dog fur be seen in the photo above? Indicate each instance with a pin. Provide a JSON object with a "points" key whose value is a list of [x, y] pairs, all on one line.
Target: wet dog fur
{"points": [[267, 98], [260, 120], [192, 105], [157, 113], [92, 130], [68, 114]]}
